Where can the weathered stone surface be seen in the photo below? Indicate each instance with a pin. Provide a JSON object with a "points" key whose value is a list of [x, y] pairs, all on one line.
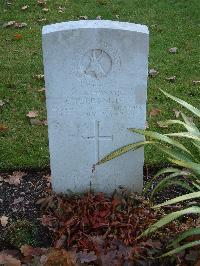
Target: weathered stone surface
{"points": [[96, 80]]}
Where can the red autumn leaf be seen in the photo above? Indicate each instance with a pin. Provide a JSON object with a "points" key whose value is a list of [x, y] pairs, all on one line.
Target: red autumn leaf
{"points": [[18, 36]]}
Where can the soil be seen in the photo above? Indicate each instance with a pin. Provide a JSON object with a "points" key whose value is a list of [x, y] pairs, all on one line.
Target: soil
{"points": [[20, 202]]}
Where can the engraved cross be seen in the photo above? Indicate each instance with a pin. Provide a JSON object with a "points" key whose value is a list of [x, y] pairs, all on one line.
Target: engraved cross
{"points": [[97, 138]]}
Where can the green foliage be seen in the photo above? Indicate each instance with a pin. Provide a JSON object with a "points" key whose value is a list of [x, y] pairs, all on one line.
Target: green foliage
{"points": [[185, 175], [20, 233]]}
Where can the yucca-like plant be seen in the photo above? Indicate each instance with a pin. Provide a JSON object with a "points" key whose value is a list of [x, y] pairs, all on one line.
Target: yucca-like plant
{"points": [[186, 173]]}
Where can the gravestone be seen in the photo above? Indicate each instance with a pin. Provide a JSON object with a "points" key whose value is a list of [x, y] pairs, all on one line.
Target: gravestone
{"points": [[96, 81]]}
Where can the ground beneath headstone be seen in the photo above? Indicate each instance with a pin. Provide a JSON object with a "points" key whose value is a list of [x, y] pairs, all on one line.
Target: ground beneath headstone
{"points": [[98, 230]]}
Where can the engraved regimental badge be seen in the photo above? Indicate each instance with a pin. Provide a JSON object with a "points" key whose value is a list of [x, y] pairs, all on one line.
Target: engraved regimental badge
{"points": [[99, 64]]}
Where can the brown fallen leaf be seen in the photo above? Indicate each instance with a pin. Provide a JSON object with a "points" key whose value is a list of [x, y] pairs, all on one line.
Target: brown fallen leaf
{"points": [[39, 76], [18, 36], [45, 9], [171, 79], [4, 220], [59, 257], [20, 24], [15, 178], [49, 221], [173, 50], [177, 113], [61, 9], [37, 122], [162, 124], [8, 3], [41, 20], [196, 82], [17, 201], [42, 2], [153, 72], [47, 177], [1, 103], [47, 203], [60, 242], [32, 114], [191, 119], [83, 17], [40, 90], [86, 257], [8, 260], [197, 263], [154, 112], [3, 127], [27, 251], [8, 24], [25, 7]]}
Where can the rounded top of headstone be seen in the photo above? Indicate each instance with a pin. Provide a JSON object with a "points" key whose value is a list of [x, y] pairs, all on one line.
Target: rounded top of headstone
{"points": [[95, 24]]}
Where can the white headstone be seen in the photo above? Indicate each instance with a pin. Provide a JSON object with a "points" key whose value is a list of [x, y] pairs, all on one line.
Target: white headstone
{"points": [[96, 81]]}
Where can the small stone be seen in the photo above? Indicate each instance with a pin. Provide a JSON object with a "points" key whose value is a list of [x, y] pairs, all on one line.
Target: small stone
{"points": [[171, 79]]}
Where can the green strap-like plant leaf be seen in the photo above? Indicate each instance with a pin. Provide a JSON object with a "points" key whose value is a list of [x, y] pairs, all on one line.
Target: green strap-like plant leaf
{"points": [[179, 122], [161, 138], [190, 124], [188, 196], [168, 180], [191, 108], [181, 248], [190, 232], [185, 185], [178, 155], [184, 135], [196, 185], [168, 218], [122, 150], [161, 172], [195, 167], [197, 145]]}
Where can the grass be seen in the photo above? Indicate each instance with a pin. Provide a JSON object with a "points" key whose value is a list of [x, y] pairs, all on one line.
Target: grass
{"points": [[172, 23]]}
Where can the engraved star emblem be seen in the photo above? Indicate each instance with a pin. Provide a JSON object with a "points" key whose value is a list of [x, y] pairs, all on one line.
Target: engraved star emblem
{"points": [[95, 67]]}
